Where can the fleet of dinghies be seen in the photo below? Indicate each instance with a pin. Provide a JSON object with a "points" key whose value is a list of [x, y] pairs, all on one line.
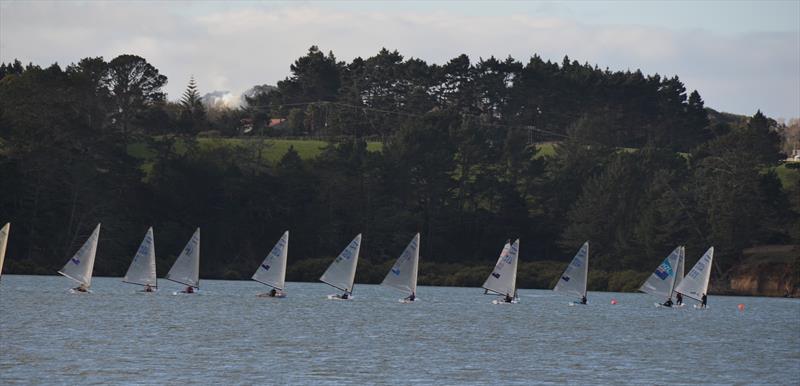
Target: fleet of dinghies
{"points": [[667, 280]]}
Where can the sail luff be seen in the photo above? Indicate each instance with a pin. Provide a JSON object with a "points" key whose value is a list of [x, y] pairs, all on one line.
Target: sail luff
{"points": [[586, 271], [675, 273], [3, 243], [515, 249], [680, 269], [415, 268]]}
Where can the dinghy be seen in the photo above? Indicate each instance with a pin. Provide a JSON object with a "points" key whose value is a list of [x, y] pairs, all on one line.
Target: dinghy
{"points": [[142, 270], [573, 281], [662, 281], [3, 243], [403, 275], [503, 279], [695, 283], [80, 266], [272, 271], [186, 269], [341, 274]]}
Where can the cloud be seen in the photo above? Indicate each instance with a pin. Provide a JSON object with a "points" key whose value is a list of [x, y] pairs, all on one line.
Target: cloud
{"points": [[236, 47]]}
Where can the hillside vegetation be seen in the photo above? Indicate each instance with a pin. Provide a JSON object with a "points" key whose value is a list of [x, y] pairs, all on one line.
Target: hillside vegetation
{"points": [[467, 153]]}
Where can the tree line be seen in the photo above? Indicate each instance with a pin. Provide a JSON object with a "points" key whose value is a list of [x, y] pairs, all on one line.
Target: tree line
{"points": [[638, 167]]}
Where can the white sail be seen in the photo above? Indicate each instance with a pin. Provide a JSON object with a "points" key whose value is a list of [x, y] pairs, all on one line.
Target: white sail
{"points": [[3, 244], [503, 279], [186, 269], [662, 281], [142, 270], [79, 267], [573, 281], [680, 269], [695, 284], [403, 275], [341, 273], [272, 270]]}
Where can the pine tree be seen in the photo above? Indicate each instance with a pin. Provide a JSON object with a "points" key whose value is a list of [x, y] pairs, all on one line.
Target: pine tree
{"points": [[191, 98], [193, 114]]}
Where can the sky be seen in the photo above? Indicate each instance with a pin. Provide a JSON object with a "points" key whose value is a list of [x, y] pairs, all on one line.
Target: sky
{"points": [[740, 55]]}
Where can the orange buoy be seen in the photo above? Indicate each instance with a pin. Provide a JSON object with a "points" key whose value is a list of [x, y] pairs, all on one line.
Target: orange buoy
{"points": [[613, 301], [741, 307]]}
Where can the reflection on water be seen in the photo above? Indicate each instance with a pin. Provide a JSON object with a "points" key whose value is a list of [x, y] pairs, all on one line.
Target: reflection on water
{"points": [[226, 335]]}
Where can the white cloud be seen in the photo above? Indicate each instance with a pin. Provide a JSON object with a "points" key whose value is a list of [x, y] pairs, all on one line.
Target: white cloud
{"points": [[245, 44]]}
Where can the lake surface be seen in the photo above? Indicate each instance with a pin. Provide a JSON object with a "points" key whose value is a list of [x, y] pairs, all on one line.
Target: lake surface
{"points": [[226, 335]]}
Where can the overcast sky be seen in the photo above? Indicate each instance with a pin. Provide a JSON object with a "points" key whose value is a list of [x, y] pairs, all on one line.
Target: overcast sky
{"points": [[740, 55]]}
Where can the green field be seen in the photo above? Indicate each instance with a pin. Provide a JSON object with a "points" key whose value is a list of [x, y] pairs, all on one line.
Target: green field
{"points": [[790, 178], [274, 149]]}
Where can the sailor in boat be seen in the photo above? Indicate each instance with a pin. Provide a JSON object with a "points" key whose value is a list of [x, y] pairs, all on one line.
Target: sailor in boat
{"points": [[189, 290], [703, 301], [668, 303], [148, 288], [411, 297], [679, 299], [81, 288], [583, 299], [508, 299], [345, 296]]}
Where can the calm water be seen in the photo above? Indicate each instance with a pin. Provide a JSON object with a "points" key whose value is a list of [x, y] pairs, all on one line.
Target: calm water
{"points": [[226, 335]]}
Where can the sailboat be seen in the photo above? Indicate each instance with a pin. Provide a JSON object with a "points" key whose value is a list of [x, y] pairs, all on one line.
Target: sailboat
{"points": [[573, 281], [186, 269], [80, 266], [3, 244], [695, 284], [142, 270], [272, 270], [403, 275], [503, 279], [663, 280], [341, 274]]}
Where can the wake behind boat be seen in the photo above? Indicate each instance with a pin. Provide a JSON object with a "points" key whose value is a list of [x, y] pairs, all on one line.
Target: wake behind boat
{"points": [[186, 269], [503, 279], [80, 266], [341, 274], [403, 275], [272, 271], [573, 281]]}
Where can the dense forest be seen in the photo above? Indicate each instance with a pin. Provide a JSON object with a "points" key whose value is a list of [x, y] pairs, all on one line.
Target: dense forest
{"points": [[638, 165]]}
